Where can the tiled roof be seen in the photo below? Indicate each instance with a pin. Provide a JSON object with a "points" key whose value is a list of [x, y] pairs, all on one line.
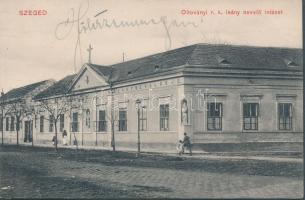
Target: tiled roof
{"points": [[151, 64], [19, 93], [216, 57], [208, 56], [102, 70], [59, 88], [246, 57]]}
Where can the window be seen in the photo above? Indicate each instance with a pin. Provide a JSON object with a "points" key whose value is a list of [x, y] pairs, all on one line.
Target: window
{"points": [[41, 124], [7, 124], [250, 116], [157, 67], [51, 126], [122, 120], [164, 117], [222, 60], [74, 125], [143, 119], [285, 116], [12, 124], [61, 122], [88, 118], [290, 63], [102, 123], [214, 116]]}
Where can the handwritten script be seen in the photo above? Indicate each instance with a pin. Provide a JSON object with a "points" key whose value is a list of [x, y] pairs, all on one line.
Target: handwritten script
{"points": [[79, 21]]}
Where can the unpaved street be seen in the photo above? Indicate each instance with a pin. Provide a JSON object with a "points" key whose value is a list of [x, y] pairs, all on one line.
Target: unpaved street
{"points": [[43, 173]]}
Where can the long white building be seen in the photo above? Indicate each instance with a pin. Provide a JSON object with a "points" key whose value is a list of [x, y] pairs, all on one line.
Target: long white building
{"points": [[226, 97]]}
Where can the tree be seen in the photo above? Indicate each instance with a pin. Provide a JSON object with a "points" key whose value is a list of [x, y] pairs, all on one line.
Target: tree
{"points": [[18, 109], [75, 103], [5, 110], [111, 116], [55, 107]]}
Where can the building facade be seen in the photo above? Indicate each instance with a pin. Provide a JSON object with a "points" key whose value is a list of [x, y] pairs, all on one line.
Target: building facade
{"points": [[224, 97], [17, 107]]}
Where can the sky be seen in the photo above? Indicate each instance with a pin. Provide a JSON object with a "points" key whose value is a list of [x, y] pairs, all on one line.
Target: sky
{"points": [[51, 46]]}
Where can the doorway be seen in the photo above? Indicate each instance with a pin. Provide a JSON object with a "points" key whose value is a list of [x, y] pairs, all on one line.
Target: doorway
{"points": [[28, 131]]}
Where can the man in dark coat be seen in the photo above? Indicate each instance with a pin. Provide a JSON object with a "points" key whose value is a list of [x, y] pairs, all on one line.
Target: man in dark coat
{"points": [[187, 143]]}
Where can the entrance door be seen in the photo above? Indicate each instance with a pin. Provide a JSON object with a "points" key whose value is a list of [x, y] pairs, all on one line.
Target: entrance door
{"points": [[28, 131]]}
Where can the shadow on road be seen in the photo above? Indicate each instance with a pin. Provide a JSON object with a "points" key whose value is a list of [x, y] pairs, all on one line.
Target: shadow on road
{"points": [[109, 158]]}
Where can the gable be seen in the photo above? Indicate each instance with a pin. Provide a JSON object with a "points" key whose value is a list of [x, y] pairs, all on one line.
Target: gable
{"points": [[88, 79]]}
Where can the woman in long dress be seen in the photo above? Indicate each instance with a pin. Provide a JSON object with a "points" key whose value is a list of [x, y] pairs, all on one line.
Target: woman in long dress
{"points": [[64, 137]]}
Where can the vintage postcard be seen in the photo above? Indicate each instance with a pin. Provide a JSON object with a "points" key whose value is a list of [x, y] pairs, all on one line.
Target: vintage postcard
{"points": [[115, 99]]}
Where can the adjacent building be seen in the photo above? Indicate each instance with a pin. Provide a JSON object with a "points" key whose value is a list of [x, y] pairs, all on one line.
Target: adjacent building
{"points": [[225, 97], [16, 114]]}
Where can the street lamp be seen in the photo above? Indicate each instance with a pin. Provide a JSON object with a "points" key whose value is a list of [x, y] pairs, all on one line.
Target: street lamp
{"points": [[138, 102], [96, 99], [96, 119], [2, 115]]}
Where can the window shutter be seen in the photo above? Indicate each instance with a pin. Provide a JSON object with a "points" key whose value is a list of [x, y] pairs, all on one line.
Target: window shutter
{"points": [[256, 109], [220, 109], [290, 110], [244, 110]]}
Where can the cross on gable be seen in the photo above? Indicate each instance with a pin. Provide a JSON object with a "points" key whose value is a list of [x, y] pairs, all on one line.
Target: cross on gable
{"points": [[89, 50]]}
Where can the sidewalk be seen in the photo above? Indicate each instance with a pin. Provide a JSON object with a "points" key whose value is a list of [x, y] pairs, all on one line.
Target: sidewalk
{"points": [[196, 154], [265, 158]]}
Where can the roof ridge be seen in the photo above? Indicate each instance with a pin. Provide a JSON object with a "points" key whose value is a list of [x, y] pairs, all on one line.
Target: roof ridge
{"points": [[44, 93], [32, 84], [251, 46], [155, 54]]}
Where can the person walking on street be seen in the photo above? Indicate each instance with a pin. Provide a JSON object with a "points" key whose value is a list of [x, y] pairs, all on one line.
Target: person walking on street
{"points": [[64, 137], [54, 140], [187, 143]]}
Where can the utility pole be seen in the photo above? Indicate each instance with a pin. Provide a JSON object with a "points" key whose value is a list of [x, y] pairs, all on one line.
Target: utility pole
{"points": [[138, 102], [2, 115], [2, 128], [82, 113], [96, 120], [112, 119]]}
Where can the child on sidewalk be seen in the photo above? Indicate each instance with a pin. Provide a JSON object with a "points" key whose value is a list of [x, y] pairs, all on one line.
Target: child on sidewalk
{"points": [[180, 147]]}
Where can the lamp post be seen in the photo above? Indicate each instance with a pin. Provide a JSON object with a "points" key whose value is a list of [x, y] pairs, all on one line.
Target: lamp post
{"points": [[112, 117], [96, 120], [96, 117], [138, 102], [2, 110], [82, 115], [2, 115]]}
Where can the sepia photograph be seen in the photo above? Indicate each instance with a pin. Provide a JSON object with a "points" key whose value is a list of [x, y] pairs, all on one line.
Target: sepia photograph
{"points": [[151, 99]]}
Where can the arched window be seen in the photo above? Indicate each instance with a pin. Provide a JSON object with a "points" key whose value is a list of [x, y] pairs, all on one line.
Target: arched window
{"points": [[88, 118]]}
